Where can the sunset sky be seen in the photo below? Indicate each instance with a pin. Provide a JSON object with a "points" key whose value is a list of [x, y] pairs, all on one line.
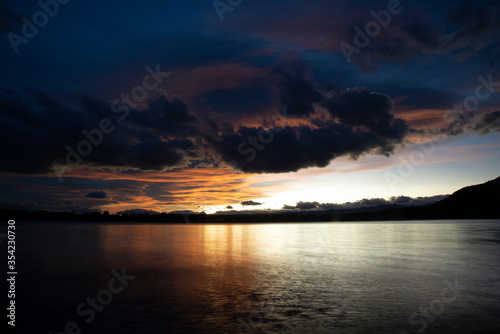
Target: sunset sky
{"points": [[206, 106]]}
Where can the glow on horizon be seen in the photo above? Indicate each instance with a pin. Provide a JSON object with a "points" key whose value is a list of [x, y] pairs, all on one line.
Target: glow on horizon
{"points": [[346, 180]]}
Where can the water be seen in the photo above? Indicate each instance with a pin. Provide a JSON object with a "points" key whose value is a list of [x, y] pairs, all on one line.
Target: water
{"points": [[260, 278]]}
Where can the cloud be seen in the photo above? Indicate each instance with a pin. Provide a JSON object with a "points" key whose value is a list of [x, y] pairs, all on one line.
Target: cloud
{"points": [[166, 135], [229, 207], [9, 204], [464, 33], [358, 107], [306, 205], [297, 93], [243, 100], [488, 122], [8, 19], [168, 118], [138, 212], [371, 203], [461, 121], [97, 194], [183, 188], [250, 203], [360, 122], [40, 128]]}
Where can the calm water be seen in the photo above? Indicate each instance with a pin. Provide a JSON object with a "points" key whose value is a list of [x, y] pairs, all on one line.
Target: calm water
{"points": [[266, 278]]}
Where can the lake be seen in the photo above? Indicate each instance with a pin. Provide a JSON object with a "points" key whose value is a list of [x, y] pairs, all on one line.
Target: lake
{"points": [[356, 277]]}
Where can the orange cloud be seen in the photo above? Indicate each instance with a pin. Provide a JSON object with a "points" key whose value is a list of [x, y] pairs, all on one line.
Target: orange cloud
{"points": [[423, 118], [192, 189]]}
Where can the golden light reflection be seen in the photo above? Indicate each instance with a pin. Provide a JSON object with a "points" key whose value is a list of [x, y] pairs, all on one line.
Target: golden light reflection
{"points": [[224, 244]]}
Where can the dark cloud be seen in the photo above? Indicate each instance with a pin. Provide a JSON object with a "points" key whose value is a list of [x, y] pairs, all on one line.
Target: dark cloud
{"points": [[361, 122], [363, 205], [297, 93], [488, 122], [244, 100], [8, 19], [9, 204], [47, 202], [138, 212], [466, 31], [250, 203], [97, 194], [229, 207], [307, 205], [167, 118], [416, 201], [461, 121], [473, 20], [42, 130], [359, 107], [371, 203], [36, 129], [458, 121]]}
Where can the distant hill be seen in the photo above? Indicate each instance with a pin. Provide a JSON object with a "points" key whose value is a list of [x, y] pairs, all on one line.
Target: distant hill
{"points": [[478, 201]]}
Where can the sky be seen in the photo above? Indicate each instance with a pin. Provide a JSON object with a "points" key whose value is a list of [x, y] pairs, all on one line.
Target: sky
{"points": [[245, 105]]}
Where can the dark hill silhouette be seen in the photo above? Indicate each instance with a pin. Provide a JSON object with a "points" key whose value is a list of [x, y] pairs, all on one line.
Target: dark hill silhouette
{"points": [[477, 201]]}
